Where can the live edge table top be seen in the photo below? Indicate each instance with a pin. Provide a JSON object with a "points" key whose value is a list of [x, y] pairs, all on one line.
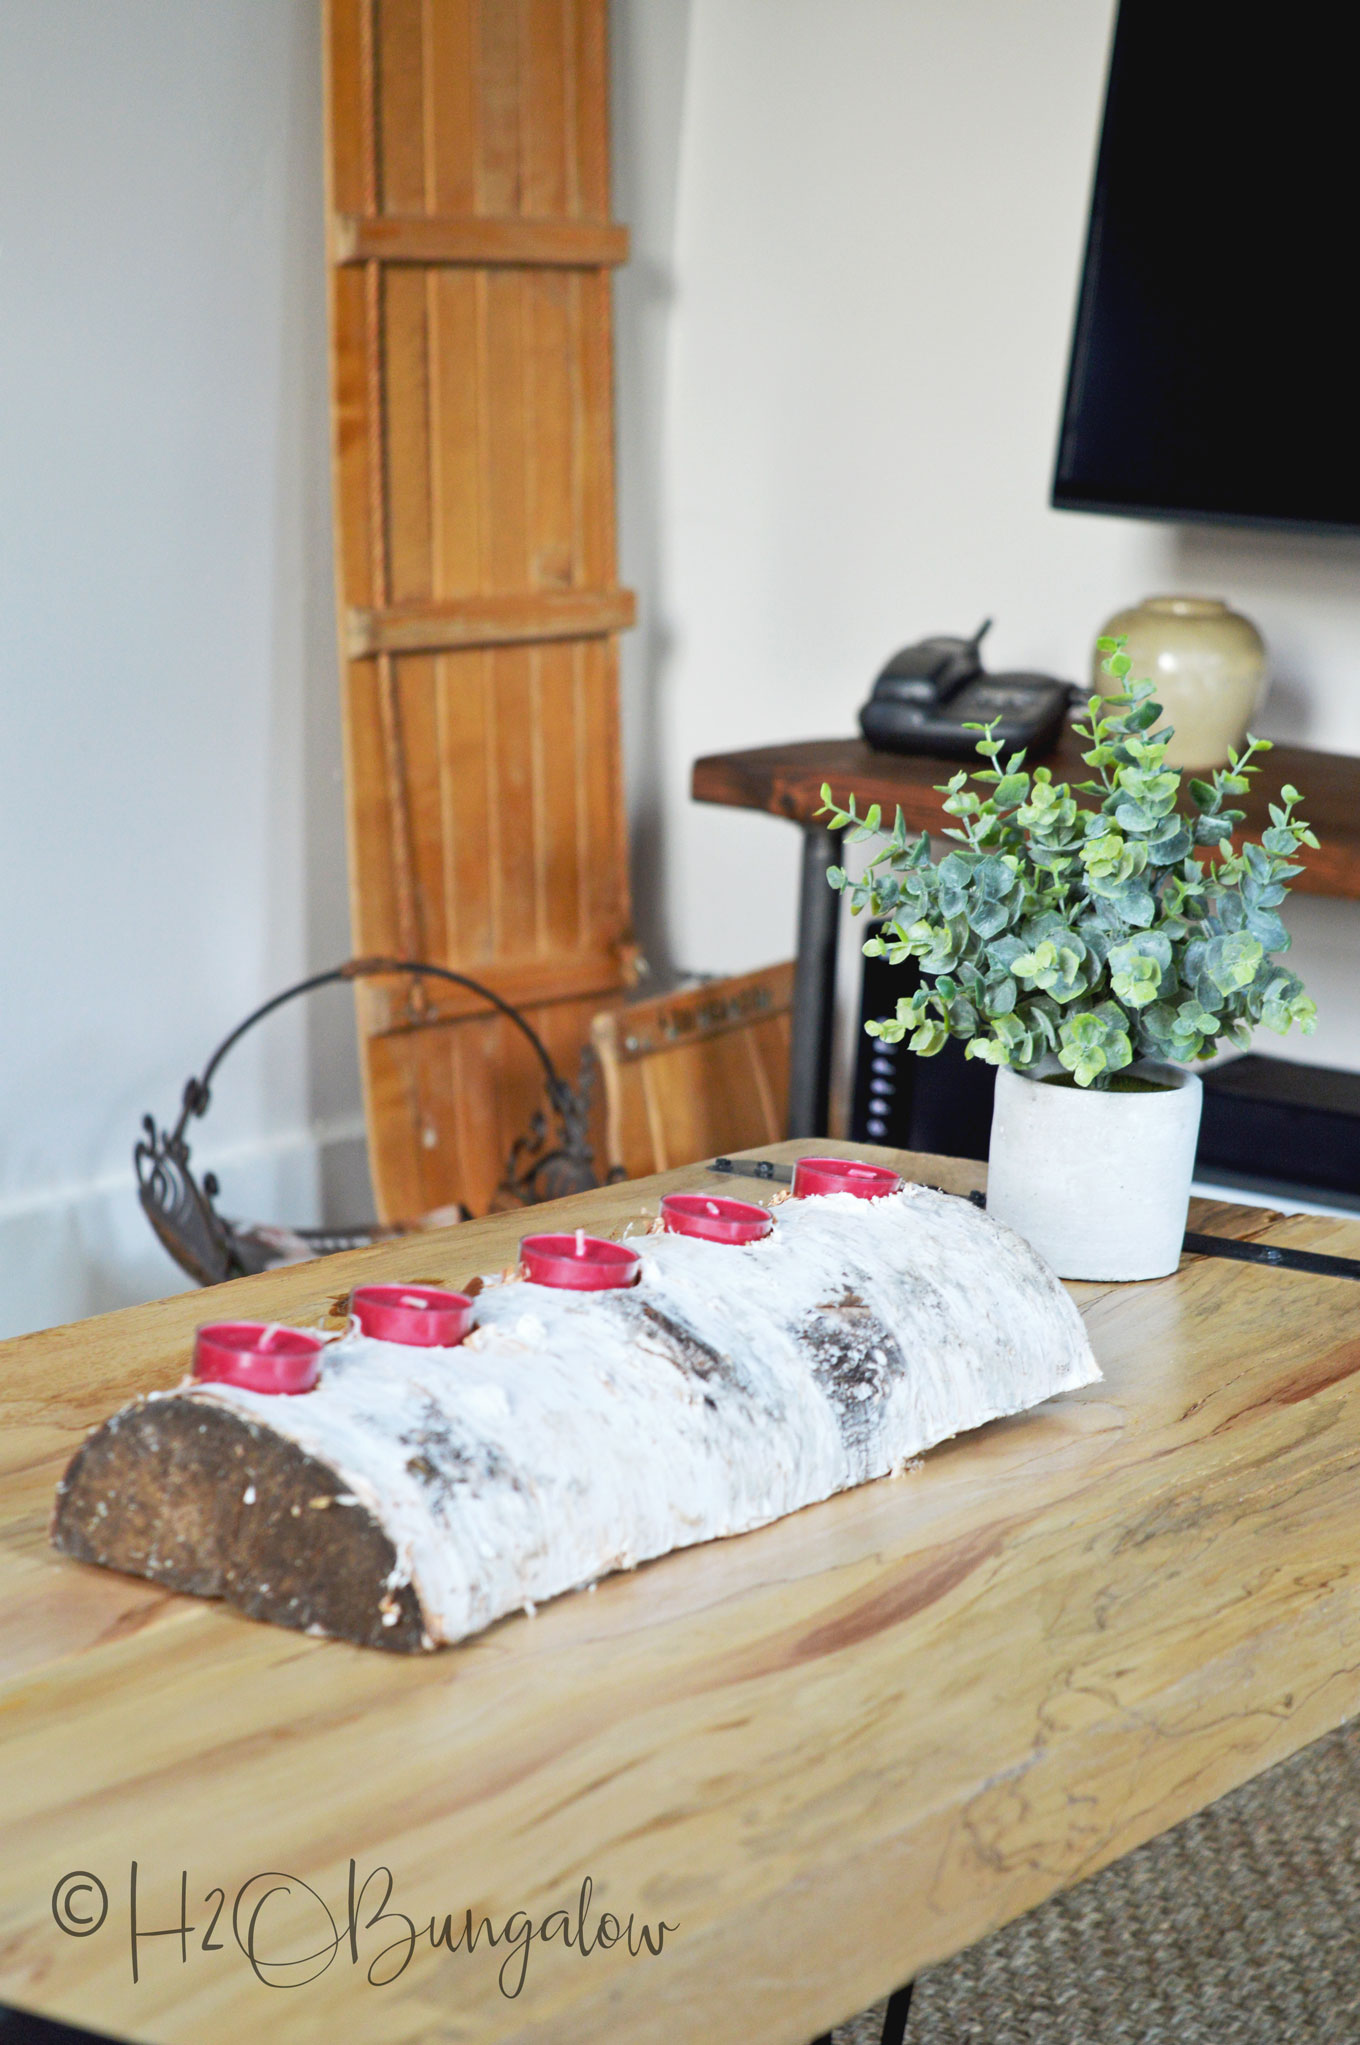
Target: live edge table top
{"points": [[828, 1752], [787, 781]]}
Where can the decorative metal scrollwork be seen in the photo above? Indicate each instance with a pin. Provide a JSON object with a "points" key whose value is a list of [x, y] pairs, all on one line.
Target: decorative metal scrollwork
{"points": [[545, 1163]]}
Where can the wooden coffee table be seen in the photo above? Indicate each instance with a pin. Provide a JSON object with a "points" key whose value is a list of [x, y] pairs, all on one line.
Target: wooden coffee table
{"points": [[828, 1753]]}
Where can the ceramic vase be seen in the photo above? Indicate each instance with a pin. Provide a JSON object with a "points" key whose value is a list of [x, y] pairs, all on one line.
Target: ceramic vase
{"points": [[1207, 663], [1097, 1183]]}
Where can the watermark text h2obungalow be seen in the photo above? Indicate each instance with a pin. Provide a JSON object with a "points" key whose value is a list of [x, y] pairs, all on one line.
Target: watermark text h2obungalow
{"points": [[288, 1935]]}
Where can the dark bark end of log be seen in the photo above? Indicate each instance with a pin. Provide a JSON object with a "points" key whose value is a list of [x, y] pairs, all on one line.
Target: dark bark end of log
{"points": [[160, 1491]]}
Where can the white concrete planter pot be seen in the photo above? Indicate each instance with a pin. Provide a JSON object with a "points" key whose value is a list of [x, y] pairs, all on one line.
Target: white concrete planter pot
{"points": [[1098, 1183]]}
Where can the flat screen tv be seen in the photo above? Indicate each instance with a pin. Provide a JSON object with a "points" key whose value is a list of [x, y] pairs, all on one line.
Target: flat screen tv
{"points": [[1215, 367]]}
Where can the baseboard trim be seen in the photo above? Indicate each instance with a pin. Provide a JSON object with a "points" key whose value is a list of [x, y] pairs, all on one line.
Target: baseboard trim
{"points": [[70, 1251]]}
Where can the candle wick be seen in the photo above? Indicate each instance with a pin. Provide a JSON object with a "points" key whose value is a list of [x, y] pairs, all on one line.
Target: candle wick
{"points": [[580, 1242], [408, 1299], [267, 1339], [710, 1206]]}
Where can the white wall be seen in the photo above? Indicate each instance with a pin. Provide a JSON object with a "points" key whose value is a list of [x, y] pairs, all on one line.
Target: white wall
{"points": [[649, 43], [171, 845], [866, 280]]}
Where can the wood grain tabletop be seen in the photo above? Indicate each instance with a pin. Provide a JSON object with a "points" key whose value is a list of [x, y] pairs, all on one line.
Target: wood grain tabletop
{"points": [[823, 1755], [787, 781]]}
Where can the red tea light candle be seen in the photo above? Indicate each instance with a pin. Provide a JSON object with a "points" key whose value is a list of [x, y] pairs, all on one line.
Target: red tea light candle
{"points": [[717, 1220], [843, 1175], [416, 1314], [579, 1263], [261, 1357]]}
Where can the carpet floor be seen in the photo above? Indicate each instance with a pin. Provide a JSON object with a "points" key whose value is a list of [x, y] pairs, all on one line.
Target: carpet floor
{"points": [[1240, 1927]]}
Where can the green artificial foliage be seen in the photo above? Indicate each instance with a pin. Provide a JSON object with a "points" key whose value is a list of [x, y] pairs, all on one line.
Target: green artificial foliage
{"points": [[1087, 928]]}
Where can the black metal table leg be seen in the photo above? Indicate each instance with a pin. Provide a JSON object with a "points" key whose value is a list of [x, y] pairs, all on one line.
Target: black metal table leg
{"points": [[899, 2008], [894, 2023], [814, 986], [22, 2027]]}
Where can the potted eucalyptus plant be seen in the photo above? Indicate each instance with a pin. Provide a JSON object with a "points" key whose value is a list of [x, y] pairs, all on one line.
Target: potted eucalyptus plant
{"points": [[1074, 939]]}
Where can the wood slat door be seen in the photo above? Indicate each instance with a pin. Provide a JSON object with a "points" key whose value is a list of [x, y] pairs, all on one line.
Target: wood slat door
{"points": [[471, 247]]}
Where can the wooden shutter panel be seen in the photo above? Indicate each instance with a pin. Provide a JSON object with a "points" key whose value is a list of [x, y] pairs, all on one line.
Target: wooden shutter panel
{"points": [[471, 247]]}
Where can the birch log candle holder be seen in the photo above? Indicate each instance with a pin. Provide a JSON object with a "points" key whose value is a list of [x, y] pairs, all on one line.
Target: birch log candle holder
{"points": [[698, 1389]]}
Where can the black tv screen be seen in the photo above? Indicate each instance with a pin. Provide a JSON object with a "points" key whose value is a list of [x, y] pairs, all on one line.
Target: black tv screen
{"points": [[1215, 370]]}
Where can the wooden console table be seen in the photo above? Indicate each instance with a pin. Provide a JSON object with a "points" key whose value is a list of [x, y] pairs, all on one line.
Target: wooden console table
{"points": [[787, 781], [830, 1752]]}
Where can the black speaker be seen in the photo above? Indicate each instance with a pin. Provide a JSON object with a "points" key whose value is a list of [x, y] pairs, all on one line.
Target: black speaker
{"points": [[1271, 1122], [909, 1103]]}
